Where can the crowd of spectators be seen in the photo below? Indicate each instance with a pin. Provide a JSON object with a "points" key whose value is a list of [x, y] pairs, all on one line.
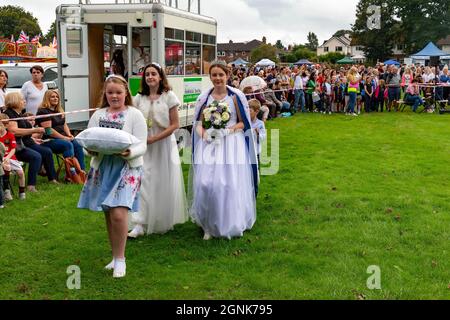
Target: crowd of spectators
{"points": [[345, 89]]}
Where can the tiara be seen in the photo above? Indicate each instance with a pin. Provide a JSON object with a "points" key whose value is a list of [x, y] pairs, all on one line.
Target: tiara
{"points": [[156, 64], [115, 76]]}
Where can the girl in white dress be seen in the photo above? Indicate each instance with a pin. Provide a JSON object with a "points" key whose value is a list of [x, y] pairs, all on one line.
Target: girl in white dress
{"points": [[163, 198], [223, 181]]}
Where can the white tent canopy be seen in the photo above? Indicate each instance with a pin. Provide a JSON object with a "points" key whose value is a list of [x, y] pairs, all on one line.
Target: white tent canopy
{"points": [[265, 63], [358, 57]]}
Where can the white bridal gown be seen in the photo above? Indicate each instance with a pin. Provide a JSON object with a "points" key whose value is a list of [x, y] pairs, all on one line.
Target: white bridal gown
{"points": [[223, 201], [162, 194]]}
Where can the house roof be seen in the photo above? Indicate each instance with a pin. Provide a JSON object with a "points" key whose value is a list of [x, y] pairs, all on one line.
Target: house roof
{"points": [[239, 46], [444, 41], [343, 39]]}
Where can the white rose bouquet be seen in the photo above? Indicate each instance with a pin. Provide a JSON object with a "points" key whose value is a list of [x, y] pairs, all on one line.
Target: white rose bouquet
{"points": [[215, 118], [216, 115]]}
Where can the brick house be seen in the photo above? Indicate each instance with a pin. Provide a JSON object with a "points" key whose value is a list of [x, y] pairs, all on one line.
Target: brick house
{"points": [[232, 50]]}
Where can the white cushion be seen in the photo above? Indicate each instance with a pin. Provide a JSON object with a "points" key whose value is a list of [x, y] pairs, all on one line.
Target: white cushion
{"points": [[106, 140]]}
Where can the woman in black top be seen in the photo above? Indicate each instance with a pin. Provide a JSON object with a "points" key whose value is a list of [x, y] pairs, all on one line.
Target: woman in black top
{"points": [[56, 129]]}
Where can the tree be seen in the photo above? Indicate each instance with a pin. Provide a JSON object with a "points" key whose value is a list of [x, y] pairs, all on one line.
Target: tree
{"points": [[341, 33], [377, 42], [264, 51], [304, 53], [50, 34], [13, 19], [331, 57], [313, 42], [279, 45], [422, 21]]}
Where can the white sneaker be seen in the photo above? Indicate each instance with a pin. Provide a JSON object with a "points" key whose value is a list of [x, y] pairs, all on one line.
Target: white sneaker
{"points": [[120, 268], [329, 112], [207, 236], [22, 196], [359, 112], [137, 231], [354, 114], [7, 195], [110, 266], [2, 206]]}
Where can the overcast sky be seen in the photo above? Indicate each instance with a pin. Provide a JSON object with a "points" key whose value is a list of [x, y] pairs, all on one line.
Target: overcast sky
{"points": [[244, 20]]}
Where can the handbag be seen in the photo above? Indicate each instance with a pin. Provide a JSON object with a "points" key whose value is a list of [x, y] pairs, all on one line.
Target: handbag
{"points": [[74, 174]]}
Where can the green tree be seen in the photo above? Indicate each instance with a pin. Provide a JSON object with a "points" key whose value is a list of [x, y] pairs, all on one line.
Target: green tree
{"points": [[377, 42], [341, 33], [279, 45], [313, 42], [13, 19], [304, 53], [331, 57], [421, 22], [264, 51], [50, 34]]}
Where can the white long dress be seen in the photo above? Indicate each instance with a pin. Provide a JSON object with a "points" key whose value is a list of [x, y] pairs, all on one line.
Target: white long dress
{"points": [[162, 195], [223, 203]]}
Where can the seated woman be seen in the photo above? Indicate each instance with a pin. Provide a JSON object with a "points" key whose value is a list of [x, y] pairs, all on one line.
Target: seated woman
{"points": [[57, 134], [413, 95], [28, 149]]}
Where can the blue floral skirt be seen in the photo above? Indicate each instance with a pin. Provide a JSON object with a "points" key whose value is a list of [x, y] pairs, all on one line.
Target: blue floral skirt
{"points": [[113, 184]]}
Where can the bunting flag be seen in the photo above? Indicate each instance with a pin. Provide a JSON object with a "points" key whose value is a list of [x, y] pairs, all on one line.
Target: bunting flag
{"points": [[23, 37], [36, 39], [54, 44]]}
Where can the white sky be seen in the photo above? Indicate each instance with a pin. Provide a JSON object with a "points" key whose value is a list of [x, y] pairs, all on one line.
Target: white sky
{"points": [[244, 20]]}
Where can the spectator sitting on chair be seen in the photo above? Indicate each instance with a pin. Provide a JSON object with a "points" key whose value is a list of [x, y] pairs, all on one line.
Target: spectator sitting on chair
{"points": [[10, 163], [57, 134], [30, 150], [413, 95]]}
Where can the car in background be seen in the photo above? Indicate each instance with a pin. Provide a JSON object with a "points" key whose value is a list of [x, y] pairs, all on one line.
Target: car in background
{"points": [[19, 73]]}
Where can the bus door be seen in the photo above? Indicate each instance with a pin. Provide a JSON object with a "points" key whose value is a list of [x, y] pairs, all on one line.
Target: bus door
{"points": [[74, 70]]}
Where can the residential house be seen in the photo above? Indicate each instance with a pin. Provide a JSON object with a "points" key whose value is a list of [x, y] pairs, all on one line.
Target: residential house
{"points": [[233, 50], [444, 44]]}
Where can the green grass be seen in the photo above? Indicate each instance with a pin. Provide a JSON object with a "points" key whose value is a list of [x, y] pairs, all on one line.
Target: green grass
{"points": [[350, 192]]}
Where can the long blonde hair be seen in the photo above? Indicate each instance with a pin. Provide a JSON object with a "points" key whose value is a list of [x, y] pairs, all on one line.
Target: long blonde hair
{"points": [[46, 102]]}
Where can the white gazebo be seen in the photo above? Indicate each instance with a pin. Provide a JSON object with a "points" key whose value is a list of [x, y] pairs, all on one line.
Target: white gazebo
{"points": [[265, 63]]}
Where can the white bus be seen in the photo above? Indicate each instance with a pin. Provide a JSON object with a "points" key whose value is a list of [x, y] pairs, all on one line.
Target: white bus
{"points": [[182, 42]]}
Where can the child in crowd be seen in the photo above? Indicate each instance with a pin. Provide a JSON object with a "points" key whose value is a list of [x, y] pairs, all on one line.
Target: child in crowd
{"points": [[258, 128], [10, 162], [2, 173], [327, 96]]}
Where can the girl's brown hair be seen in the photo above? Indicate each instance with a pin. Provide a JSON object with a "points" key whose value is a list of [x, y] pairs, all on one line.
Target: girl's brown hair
{"points": [[6, 75], [117, 80], [163, 84], [46, 102]]}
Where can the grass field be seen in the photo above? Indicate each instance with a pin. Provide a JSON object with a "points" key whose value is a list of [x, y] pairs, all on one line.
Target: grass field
{"points": [[350, 192]]}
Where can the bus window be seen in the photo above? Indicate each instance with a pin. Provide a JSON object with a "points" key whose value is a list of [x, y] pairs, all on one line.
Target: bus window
{"points": [[208, 52], [174, 49], [74, 47], [141, 49], [192, 59]]}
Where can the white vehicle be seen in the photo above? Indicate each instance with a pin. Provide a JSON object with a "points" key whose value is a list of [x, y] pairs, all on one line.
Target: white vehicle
{"points": [[19, 73], [182, 42]]}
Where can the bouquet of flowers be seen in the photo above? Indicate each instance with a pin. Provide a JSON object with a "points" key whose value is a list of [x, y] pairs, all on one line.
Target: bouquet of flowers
{"points": [[215, 117]]}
